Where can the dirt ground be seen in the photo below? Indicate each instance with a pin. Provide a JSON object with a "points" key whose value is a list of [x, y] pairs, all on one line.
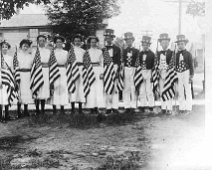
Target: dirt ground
{"points": [[138, 141]]}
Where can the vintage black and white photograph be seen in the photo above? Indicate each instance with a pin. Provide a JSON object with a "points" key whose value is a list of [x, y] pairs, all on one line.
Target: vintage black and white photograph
{"points": [[104, 84]]}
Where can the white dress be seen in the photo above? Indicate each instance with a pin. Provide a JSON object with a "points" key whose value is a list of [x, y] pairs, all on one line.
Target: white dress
{"points": [[44, 92], [96, 96], [3, 89], [78, 95], [25, 64], [60, 95]]}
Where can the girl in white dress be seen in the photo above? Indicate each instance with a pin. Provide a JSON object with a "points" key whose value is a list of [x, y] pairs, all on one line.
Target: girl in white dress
{"points": [[78, 95], [43, 93], [5, 46], [25, 60], [60, 94], [95, 98]]}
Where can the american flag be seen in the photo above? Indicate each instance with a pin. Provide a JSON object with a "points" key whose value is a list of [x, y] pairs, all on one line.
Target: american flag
{"points": [[16, 68], [88, 74], [138, 78], [155, 78], [37, 79], [109, 73], [170, 79], [120, 79], [8, 80], [72, 71], [54, 72]]}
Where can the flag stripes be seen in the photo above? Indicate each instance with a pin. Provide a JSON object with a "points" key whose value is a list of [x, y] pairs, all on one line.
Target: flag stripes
{"points": [[16, 68], [72, 71], [54, 72], [120, 80], [138, 78], [88, 74], [155, 78], [36, 79]]}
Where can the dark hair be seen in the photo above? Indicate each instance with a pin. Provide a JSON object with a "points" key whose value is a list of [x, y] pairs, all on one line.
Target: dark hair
{"points": [[78, 36], [91, 38], [60, 38], [6, 43], [25, 41], [43, 36]]}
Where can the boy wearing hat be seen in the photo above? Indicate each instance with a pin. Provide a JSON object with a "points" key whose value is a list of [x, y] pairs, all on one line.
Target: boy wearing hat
{"points": [[129, 56], [112, 100], [164, 57], [185, 72], [147, 58]]}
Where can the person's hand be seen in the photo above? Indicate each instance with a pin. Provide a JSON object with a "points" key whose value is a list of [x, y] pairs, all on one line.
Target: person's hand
{"points": [[101, 76]]}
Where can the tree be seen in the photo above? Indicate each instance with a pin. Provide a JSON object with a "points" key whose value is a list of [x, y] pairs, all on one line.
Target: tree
{"points": [[9, 7], [69, 17], [196, 8]]}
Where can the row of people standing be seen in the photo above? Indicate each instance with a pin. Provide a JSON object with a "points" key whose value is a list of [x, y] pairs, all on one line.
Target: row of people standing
{"points": [[59, 94]]}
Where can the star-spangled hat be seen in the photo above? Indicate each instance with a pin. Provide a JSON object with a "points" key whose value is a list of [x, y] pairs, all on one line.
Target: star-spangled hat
{"points": [[181, 38], [146, 39], [128, 35], [109, 32], [163, 36]]}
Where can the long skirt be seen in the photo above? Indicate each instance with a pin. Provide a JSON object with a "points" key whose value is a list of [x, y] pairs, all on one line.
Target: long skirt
{"points": [[44, 91], [96, 96], [25, 96], [3, 95], [78, 95], [60, 95]]}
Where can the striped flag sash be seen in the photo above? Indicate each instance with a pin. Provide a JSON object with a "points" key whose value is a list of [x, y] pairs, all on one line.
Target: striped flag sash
{"points": [[120, 80], [16, 68], [155, 78], [54, 72], [138, 78], [88, 74], [36, 79], [109, 73], [72, 71]]}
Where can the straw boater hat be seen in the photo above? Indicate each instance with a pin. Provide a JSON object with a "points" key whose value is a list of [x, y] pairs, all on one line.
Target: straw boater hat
{"points": [[128, 35], [164, 36], [181, 38], [146, 39], [109, 32], [59, 37]]}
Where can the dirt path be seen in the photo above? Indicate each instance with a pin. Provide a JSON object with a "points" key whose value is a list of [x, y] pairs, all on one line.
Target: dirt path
{"points": [[145, 142]]}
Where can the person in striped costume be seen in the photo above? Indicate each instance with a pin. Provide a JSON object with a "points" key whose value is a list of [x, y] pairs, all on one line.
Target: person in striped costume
{"points": [[164, 58], [147, 58], [185, 73], [5, 46], [95, 98], [130, 55], [60, 92], [25, 60]]}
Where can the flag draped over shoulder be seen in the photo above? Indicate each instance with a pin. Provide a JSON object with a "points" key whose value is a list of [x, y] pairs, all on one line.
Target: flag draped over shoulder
{"points": [[72, 71], [109, 73], [36, 79], [54, 72], [138, 78], [16, 68], [170, 79], [8, 80], [88, 74], [155, 78]]}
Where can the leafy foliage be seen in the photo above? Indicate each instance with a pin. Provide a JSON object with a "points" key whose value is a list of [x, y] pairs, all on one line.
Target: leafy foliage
{"points": [[9, 7], [74, 16], [196, 8]]}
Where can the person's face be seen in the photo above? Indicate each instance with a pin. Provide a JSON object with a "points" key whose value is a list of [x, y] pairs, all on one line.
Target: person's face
{"points": [[59, 43], [93, 43], [145, 46], [77, 42], [129, 42], [181, 45], [25, 47], [164, 44], [4, 48], [41, 41], [109, 39]]}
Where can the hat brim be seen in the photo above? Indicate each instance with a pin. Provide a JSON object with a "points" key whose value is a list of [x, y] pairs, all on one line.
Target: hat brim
{"points": [[144, 42], [161, 39], [133, 38], [109, 35], [186, 41]]}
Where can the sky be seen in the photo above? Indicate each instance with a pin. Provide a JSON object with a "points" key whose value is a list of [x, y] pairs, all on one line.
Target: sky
{"points": [[156, 16]]}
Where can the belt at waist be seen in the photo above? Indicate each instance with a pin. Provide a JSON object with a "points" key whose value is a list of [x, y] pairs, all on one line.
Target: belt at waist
{"points": [[24, 69], [61, 65], [95, 64], [79, 64], [45, 64]]}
